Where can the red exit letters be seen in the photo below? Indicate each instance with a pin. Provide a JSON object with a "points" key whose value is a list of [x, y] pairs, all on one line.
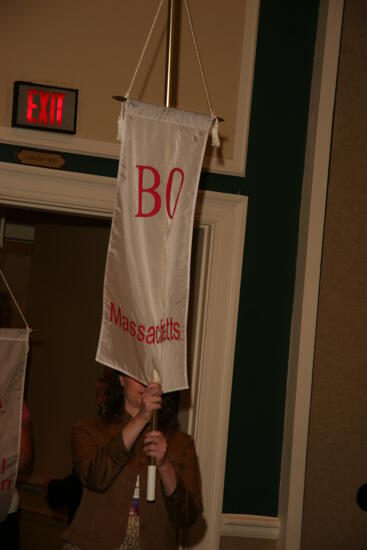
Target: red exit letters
{"points": [[44, 107], [153, 191]]}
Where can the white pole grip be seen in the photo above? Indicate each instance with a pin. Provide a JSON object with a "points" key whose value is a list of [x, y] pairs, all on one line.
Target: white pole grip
{"points": [[152, 468], [152, 472]]}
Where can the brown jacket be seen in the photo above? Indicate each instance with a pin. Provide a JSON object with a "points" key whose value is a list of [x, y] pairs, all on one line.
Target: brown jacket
{"points": [[108, 473]]}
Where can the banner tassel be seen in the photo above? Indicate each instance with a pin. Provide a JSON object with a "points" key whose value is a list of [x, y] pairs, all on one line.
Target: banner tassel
{"points": [[215, 133], [120, 121]]}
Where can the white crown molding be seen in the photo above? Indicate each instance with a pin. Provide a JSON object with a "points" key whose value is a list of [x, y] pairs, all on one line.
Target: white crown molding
{"points": [[59, 142], [235, 166], [246, 526], [56, 190]]}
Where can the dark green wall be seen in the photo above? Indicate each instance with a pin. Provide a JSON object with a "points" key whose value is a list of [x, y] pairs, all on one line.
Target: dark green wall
{"points": [[273, 182]]}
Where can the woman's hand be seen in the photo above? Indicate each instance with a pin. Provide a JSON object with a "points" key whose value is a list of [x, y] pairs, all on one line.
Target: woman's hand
{"points": [[144, 400], [151, 400], [155, 445]]}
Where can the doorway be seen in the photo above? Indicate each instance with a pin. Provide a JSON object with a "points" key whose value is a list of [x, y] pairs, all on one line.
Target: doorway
{"points": [[62, 276]]}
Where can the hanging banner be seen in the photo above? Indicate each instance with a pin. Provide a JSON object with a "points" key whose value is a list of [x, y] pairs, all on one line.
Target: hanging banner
{"points": [[14, 344], [146, 287]]}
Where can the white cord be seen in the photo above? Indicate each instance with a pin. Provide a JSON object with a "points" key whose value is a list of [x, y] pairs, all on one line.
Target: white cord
{"points": [[144, 49], [199, 61], [12, 295], [215, 129]]}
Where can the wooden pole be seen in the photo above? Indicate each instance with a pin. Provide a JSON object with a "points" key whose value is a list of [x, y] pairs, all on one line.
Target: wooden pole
{"points": [[169, 53], [152, 467]]}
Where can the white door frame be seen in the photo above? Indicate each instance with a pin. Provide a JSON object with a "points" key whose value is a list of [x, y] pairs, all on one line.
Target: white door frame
{"points": [[310, 242], [223, 217]]}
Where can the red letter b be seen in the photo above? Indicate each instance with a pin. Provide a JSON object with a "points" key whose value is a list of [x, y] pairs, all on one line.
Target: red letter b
{"points": [[151, 190]]}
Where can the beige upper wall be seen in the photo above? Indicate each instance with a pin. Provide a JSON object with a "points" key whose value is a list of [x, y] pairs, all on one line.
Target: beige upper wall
{"points": [[94, 46]]}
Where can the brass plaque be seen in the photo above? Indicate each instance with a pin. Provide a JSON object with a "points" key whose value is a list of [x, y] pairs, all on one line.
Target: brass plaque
{"points": [[41, 158]]}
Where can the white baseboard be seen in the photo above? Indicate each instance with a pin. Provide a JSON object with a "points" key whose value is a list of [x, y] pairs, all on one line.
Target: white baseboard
{"points": [[240, 525]]}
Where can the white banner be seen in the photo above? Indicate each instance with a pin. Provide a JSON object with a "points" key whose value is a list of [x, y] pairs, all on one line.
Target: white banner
{"points": [[146, 287], [13, 356]]}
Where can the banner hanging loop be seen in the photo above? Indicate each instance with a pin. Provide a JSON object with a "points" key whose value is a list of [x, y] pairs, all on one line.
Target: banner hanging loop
{"points": [[215, 120]]}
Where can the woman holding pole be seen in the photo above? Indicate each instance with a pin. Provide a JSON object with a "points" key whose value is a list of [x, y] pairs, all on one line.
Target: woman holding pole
{"points": [[110, 455]]}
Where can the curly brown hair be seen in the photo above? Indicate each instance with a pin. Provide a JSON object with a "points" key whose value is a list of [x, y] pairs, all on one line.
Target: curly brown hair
{"points": [[112, 408]]}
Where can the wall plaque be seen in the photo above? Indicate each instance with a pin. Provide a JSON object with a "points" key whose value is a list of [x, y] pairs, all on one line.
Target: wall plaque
{"points": [[44, 159]]}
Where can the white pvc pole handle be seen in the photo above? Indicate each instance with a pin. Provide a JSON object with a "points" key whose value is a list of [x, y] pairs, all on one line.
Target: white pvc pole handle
{"points": [[152, 467], [152, 474]]}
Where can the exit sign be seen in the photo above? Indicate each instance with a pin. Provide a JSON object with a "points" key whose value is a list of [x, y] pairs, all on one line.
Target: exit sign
{"points": [[44, 107]]}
